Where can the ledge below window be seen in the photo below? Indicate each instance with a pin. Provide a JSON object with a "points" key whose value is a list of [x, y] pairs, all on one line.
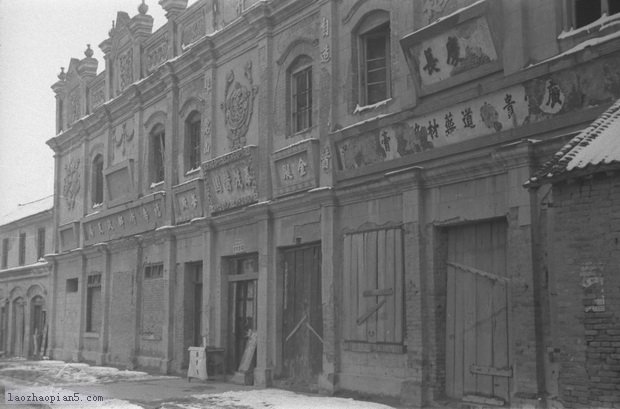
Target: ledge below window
{"points": [[361, 346], [92, 335]]}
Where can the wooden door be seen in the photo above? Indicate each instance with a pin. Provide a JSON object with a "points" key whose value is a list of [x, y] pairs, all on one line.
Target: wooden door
{"points": [[477, 313], [37, 324], [303, 315]]}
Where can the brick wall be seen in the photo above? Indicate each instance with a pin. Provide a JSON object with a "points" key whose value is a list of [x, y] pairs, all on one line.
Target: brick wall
{"points": [[586, 262]]}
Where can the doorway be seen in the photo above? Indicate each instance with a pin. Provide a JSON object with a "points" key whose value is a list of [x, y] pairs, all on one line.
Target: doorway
{"points": [[242, 274], [302, 330], [192, 322], [477, 313], [37, 327]]}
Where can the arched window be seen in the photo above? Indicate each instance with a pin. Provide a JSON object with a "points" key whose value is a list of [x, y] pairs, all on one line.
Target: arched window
{"points": [[158, 153], [192, 141], [373, 39], [300, 86], [97, 181]]}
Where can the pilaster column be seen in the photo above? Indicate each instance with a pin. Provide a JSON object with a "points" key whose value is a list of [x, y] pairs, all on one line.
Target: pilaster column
{"points": [[331, 282], [208, 287], [137, 299], [170, 262], [266, 300], [106, 289]]}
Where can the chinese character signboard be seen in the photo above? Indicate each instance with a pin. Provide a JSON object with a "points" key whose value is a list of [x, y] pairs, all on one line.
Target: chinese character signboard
{"points": [[146, 214], [295, 167], [460, 46], [483, 116], [187, 201], [230, 180]]}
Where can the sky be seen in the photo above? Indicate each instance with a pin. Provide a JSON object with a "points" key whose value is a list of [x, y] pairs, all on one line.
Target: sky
{"points": [[37, 37]]}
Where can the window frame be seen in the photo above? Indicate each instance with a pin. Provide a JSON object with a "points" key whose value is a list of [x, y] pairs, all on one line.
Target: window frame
{"points": [[154, 271], [304, 69], [157, 138], [572, 11], [40, 242], [5, 253], [21, 260], [375, 24], [193, 154], [97, 181], [93, 285]]}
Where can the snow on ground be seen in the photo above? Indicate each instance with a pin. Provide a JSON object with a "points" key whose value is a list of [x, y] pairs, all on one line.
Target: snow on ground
{"points": [[58, 372], [275, 399]]}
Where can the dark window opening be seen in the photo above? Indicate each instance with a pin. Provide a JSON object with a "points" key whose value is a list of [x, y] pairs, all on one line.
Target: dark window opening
{"points": [[614, 6], [302, 99], [158, 145], [5, 252], [93, 303], [40, 243], [72, 285], [154, 271], [97, 180], [375, 64], [586, 11], [22, 249], [192, 130]]}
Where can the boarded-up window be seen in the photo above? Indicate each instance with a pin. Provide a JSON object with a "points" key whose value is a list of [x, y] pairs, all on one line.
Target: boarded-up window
{"points": [[152, 302], [93, 303], [373, 289]]}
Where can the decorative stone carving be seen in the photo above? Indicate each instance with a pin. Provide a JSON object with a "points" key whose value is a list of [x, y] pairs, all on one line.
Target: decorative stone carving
{"points": [[71, 185], [75, 109], [238, 107], [157, 54], [122, 137], [230, 180], [97, 97], [193, 31], [326, 156], [125, 63]]}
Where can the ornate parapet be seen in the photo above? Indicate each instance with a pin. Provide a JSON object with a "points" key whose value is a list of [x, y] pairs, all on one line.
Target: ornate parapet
{"points": [[135, 218], [188, 201], [230, 180], [295, 168]]}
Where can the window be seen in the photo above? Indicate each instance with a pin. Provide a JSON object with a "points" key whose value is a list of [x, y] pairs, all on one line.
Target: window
{"points": [[301, 98], [587, 11], [154, 271], [22, 249], [373, 297], [5, 252], [72, 285], [40, 243], [373, 56], [158, 153], [93, 303], [97, 181], [192, 141]]}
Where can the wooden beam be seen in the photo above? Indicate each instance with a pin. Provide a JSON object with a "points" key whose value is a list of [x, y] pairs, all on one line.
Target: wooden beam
{"points": [[367, 315], [489, 370]]}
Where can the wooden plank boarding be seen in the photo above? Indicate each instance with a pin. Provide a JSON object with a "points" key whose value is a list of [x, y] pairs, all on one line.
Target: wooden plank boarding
{"points": [[361, 282], [369, 313], [398, 283], [450, 324], [381, 273], [489, 370], [379, 292], [346, 287], [388, 282], [371, 282], [484, 335]]}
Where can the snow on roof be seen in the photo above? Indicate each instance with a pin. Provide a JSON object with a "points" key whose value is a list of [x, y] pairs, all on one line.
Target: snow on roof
{"points": [[27, 209], [595, 146]]}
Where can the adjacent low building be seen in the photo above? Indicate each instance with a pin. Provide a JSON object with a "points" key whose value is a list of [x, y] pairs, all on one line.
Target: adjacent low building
{"points": [[25, 236]]}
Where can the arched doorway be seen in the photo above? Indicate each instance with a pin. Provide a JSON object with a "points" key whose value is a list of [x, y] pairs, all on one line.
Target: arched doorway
{"points": [[38, 323], [18, 326]]}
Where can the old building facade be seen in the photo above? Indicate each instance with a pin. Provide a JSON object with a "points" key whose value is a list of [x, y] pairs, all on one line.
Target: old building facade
{"points": [[339, 181], [25, 238]]}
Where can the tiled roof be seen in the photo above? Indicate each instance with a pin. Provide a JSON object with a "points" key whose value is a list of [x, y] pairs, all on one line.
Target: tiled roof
{"points": [[594, 147], [28, 209]]}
